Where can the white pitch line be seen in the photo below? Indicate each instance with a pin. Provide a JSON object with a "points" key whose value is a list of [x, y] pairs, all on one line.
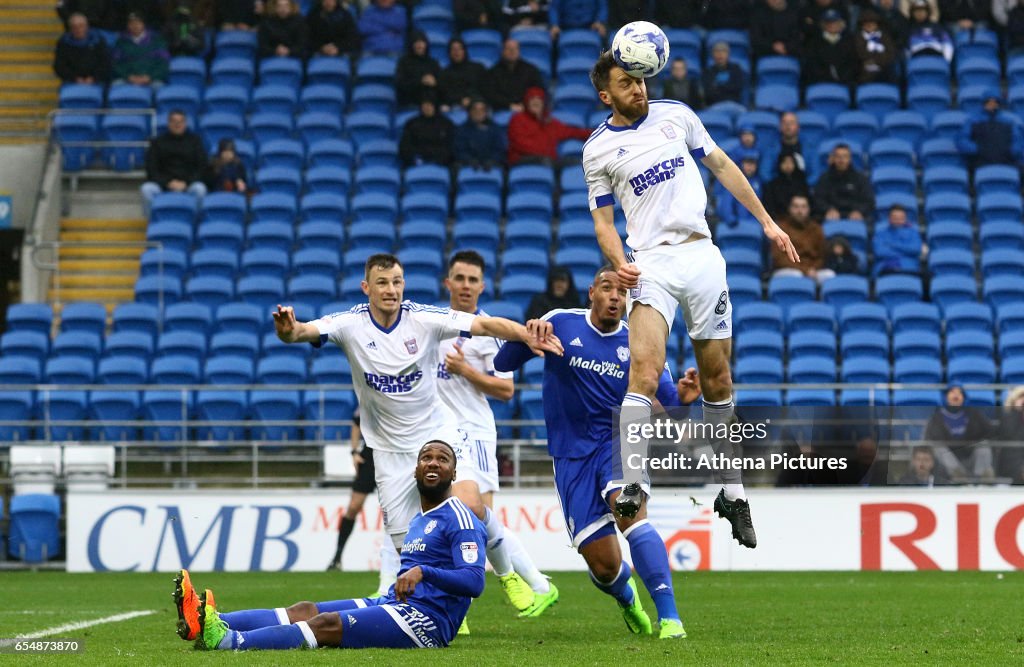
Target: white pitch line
{"points": [[81, 625]]}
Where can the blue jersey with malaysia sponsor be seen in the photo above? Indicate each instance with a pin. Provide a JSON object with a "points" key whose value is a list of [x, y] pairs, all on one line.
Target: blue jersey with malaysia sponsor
{"points": [[582, 387], [448, 543]]}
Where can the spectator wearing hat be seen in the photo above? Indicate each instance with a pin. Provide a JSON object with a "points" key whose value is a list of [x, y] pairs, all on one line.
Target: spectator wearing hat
{"points": [[927, 38], [814, 11], [417, 72], [682, 87], [991, 136], [875, 49], [831, 56], [534, 135], [723, 80], [332, 30], [560, 294], [809, 241], [140, 55], [463, 79], [382, 26], [898, 247], [955, 431], [428, 138], [227, 171], [184, 31], [842, 191], [479, 142], [729, 209], [775, 29], [81, 55], [789, 182], [175, 162], [283, 31], [507, 82]]}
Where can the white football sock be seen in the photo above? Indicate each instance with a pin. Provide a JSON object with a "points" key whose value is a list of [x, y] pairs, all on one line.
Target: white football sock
{"points": [[523, 564], [734, 492], [390, 563], [497, 548]]}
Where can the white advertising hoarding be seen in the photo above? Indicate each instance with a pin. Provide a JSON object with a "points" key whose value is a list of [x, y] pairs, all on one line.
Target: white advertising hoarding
{"points": [[798, 529]]}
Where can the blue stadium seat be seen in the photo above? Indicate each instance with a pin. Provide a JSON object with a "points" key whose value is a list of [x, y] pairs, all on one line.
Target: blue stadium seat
{"points": [[312, 289], [878, 99], [854, 231], [236, 44], [315, 126], [123, 370], [916, 398], [281, 72], [759, 370], [176, 369], [759, 398], [916, 344], [331, 153], [996, 178], [762, 316], [128, 96], [69, 370], [893, 179], [812, 343], [214, 262], [743, 261], [811, 316], [273, 206], [234, 71], [83, 316], [481, 182], [125, 129], [811, 397], [81, 96], [419, 234], [829, 99], [906, 124], [174, 207], [506, 309], [377, 235], [328, 180], [228, 370], [527, 206], [270, 234], [178, 97], [211, 291], [951, 261], [239, 317], [226, 98], [324, 98], [945, 179], [188, 344], [1011, 344], [579, 44], [188, 71], [808, 370], [284, 180], [328, 406], [64, 408], [376, 69], [137, 344], [893, 290], [221, 406], [427, 178], [574, 232], [479, 234], [320, 233], [844, 290], [77, 344], [270, 126], [777, 97], [929, 99], [164, 411], [353, 262], [470, 206], [34, 527], [376, 152], [717, 123], [522, 287], [196, 317], [243, 343], [1003, 289], [533, 234], [224, 206], [969, 343], [425, 207], [778, 70], [531, 179], [971, 370], [329, 71], [1010, 317], [117, 413], [1012, 371], [272, 346], [940, 151], [864, 344], [744, 290], [976, 43], [865, 370], [27, 345], [927, 70], [742, 235], [949, 235], [891, 152], [422, 287], [999, 206], [218, 125], [134, 317], [524, 261], [36, 317], [923, 317], [918, 370], [763, 343], [156, 261], [859, 126], [271, 411], [949, 290], [279, 370], [947, 206], [1002, 262], [16, 407]]}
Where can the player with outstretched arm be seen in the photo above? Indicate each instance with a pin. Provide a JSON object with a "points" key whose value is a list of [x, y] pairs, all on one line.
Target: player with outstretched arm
{"points": [[645, 156], [442, 569]]}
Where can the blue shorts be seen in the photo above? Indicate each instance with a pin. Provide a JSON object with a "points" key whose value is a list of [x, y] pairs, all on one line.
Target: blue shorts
{"points": [[583, 487], [383, 623]]}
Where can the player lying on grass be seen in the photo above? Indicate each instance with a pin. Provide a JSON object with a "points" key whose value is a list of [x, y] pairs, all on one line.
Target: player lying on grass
{"points": [[581, 389], [442, 569]]}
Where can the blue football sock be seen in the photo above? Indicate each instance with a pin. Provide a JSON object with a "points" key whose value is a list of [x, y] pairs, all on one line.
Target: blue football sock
{"points": [[651, 562], [252, 619], [618, 588], [277, 637]]}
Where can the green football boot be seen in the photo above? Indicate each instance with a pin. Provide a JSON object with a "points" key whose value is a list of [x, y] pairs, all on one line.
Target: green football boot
{"points": [[541, 601], [518, 591], [637, 620], [672, 629], [211, 627]]}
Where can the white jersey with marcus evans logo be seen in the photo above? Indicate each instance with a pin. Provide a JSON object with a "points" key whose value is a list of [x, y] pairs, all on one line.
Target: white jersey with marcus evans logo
{"points": [[650, 167], [394, 371]]}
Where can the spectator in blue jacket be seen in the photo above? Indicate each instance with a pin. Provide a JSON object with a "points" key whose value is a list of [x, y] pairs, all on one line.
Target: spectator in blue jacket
{"points": [[898, 247], [723, 80], [991, 136], [479, 142], [382, 26], [729, 209], [578, 15]]}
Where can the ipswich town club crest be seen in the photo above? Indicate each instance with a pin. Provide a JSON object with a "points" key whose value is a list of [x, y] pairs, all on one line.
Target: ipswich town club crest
{"points": [[411, 347], [668, 131], [469, 552], [623, 353]]}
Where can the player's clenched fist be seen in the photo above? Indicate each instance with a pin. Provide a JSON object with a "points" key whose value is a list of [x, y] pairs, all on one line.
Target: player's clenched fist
{"points": [[406, 583], [629, 275], [285, 324], [542, 338]]}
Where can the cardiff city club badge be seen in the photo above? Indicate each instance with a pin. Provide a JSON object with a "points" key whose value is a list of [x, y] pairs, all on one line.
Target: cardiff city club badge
{"points": [[668, 131], [411, 347], [469, 552], [429, 528], [623, 353]]}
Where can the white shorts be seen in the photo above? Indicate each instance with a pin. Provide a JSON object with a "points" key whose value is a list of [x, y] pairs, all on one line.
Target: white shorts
{"points": [[478, 459], [688, 275]]}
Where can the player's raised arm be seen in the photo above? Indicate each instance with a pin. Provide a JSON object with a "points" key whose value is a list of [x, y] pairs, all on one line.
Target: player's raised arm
{"points": [[291, 330], [540, 342], [611, 245], [726, 171]]}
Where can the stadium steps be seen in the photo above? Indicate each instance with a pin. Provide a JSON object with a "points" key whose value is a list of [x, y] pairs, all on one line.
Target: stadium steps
{"points": [[28, 87], [102, 272]]}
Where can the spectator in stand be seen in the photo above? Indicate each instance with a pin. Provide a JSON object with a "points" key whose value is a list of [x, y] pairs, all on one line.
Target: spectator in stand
{"points": [[560, 294], [1008, 16], [382, 27], [681, 87], [175, 162], [723, 80], [428, 137], [479, 142], [927, 38], [729, 209], [621, 12], [534, 135], [283, 31], [151, 11], [520, 13], [81, 55], [875, 49], [842, 191], [578, 15], [227, 171], [992, 136], [673, 13], [477, 15], [965, 14], [830, 56], [463, 79], [898, 247], [417, 72], [955, 431], [238, 14], [1011, 429], [507, 82], [789, 139], [923, 470], [748, 142], [722, 14], [809, 241], [332, 30], [789, 182], [101, 14], [895, 22], [185, 34], [775, 29], [140, 55], [840, 257], [906, 6], [815, 10]]}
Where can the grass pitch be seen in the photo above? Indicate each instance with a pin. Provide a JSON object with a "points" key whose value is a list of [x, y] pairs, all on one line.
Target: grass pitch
{"points": [[732, 619]]}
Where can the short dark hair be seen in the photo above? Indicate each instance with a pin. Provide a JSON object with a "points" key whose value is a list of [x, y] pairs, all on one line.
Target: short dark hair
{"points": [[923, 449], [601, 75], [898, 208], [841, 145], [471, 257], [604, 269], [176, 111], [455, 457], [381, 260]]}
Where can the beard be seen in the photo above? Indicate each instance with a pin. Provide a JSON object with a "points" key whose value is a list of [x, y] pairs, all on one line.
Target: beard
{"points": [[436, 493], [629, 110]]}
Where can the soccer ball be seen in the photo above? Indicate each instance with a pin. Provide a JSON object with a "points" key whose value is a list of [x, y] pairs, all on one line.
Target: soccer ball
{"points": [[641, 49]]}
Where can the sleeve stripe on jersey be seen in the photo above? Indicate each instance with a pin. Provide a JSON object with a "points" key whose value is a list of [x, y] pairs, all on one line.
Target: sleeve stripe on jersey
{"points": [[418, 307], [699, 153], [595, 134], [604, 200], [462, 514], [551, 313]]}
